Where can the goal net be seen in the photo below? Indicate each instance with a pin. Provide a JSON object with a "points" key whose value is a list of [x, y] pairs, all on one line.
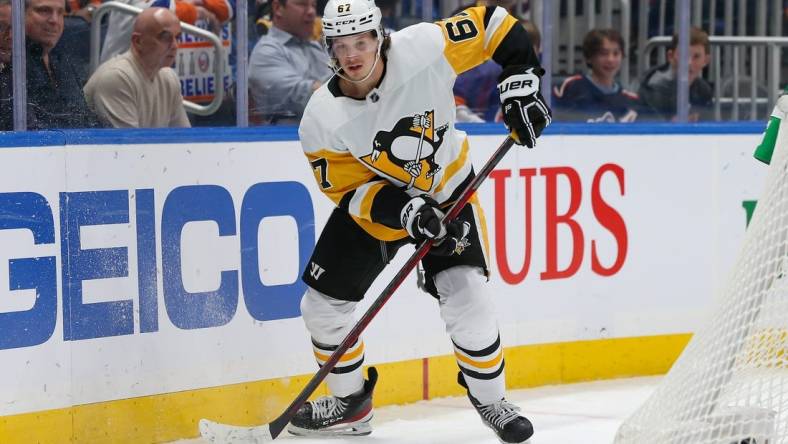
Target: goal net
{"points": [[730, 385]]}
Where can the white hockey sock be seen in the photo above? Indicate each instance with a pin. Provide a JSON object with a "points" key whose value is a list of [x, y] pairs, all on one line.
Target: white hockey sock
{"points": [[329, 321], [467, 310], [483, 371], [346, 378]]}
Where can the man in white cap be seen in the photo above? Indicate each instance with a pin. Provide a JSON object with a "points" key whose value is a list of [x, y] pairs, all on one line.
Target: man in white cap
{"points": [[381, 140]]}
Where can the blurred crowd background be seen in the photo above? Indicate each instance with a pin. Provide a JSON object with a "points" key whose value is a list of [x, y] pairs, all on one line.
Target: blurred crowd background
{"points": [[180, 63]]}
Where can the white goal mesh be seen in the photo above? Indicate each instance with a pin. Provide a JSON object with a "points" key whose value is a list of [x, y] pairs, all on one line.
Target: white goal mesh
{"points": [[730, 385]]}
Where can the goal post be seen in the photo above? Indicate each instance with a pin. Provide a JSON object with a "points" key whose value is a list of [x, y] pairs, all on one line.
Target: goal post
{"points": [[730, 385]]}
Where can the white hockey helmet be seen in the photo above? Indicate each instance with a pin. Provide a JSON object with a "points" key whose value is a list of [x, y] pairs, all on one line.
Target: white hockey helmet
{"points": [[347, 17]]}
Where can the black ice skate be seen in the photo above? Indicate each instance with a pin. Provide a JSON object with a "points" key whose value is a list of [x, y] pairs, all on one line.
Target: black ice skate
{"points": [[330, 415], [502, 418]]}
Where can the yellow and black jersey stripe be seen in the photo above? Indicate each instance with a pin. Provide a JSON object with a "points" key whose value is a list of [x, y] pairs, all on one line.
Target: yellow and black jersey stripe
{"points": [[480, 33], [373, 202]]}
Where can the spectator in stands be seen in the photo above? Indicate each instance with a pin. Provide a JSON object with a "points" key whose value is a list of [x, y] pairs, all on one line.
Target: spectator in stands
{"points": [[54, 83], [597, 96], [476, 90], [287, 65], [138, 88], [658, 86], [196, 60], [263, 23], [6, 112]]}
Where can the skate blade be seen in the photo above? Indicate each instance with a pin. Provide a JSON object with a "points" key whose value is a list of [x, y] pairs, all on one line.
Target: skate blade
{"points": [[527, 441], [354, 429], [218, 433], [530, 439]]}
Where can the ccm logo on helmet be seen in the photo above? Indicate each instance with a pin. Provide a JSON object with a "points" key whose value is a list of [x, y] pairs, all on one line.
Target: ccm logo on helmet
{"points": [[346, 22], [516, 84]]}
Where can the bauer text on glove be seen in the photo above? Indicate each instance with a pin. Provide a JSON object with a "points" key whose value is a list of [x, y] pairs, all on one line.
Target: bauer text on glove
{"points": [[525, 112]]}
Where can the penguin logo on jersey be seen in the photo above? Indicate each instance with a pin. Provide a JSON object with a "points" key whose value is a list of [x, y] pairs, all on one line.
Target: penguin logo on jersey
{"points": [[407, 152]]}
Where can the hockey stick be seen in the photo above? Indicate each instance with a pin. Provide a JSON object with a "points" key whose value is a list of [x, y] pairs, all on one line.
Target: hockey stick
{"points": [[222, 433]]}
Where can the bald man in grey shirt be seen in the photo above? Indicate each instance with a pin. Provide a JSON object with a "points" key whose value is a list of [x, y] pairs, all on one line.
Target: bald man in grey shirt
{"points": [[138, 89], [287, 65]]}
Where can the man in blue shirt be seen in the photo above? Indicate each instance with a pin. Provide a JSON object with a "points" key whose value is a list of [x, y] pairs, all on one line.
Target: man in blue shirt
{"points": [[287, 64]]}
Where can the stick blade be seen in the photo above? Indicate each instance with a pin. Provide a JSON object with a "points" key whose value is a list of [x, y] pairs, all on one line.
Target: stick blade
{"points": [[218, 433]]}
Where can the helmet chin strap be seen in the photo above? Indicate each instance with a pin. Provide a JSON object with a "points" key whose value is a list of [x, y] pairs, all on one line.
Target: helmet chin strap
{"points": [[338, 69]]}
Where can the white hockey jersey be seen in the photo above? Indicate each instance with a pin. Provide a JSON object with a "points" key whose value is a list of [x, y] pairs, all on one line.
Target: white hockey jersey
{"points": [[370, 156]]}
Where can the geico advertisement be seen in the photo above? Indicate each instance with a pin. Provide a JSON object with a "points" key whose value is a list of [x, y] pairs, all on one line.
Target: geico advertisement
{"points": [[133, 270]]}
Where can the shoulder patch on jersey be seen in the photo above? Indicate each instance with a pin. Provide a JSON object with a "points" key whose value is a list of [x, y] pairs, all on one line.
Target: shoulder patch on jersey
{"points": [[630, 94], [474, 35], [559, 91]]}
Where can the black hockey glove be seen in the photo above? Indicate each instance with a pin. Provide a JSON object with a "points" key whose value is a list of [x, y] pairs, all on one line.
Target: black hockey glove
{"points": [[525, 112], [422, 218]]}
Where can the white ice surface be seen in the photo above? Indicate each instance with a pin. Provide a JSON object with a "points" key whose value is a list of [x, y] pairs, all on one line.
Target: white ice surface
{"points": [[587, 413]]}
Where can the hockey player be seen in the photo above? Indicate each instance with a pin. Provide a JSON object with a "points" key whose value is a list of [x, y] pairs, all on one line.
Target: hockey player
{"points": [[381, 140]]}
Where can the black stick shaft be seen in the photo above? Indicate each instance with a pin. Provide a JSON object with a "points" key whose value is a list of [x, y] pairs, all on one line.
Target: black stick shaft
{"points": [[277, 425]]}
